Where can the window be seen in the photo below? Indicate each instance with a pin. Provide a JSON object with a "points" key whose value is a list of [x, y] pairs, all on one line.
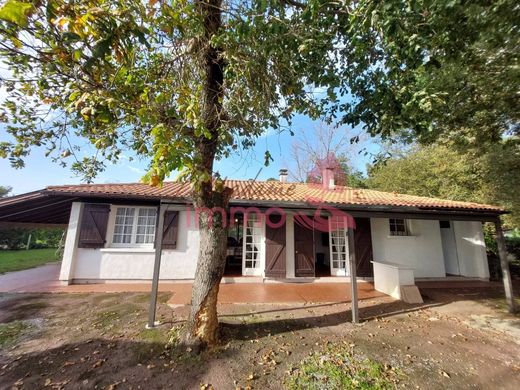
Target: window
{"points": [[399, 227], [134, 226]]}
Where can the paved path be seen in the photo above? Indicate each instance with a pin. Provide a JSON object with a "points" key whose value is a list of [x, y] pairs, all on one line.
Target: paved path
{"points": [[39, 279]]}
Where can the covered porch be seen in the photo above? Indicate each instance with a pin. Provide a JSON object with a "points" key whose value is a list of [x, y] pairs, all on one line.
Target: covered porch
{"points": [[286, 251]]}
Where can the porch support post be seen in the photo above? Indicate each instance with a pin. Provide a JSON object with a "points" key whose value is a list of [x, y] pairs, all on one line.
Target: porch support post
{"points": [[504, 265], [156, 266], [353, 276], [70, 249]]}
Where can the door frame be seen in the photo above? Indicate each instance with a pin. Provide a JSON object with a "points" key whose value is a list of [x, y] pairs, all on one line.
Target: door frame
{"points": [[448, 234], [260, 270], [334, 271]]}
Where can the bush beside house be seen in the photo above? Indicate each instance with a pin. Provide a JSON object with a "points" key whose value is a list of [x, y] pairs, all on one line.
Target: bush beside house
{"points": [[16, 238]]}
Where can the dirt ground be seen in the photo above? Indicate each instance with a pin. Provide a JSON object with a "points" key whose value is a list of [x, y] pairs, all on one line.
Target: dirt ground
{"points": [[457, 339]]}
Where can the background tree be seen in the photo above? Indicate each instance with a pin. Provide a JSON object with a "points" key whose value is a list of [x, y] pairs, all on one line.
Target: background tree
{"points": [[431, 69], [446, 172], [327, 146], [16, 237], [4, 191]]}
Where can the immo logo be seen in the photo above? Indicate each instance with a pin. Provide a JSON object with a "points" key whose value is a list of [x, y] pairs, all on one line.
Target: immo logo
{"points": [[318, 214], [324, 218]]}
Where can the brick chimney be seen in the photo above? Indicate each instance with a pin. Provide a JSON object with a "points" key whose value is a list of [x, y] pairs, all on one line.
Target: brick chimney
{"points": [[283, 175], [327, 179]]}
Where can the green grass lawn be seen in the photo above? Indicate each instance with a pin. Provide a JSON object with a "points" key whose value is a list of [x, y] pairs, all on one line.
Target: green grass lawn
{"points": [[23, 259]]}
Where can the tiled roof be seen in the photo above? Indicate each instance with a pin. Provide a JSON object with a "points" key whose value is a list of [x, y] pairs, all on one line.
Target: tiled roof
{"points": [[275, 192]]}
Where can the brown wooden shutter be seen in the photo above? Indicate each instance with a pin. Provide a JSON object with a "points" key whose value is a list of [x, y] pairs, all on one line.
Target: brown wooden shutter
{"points": [[93, 229], [170, 230]]}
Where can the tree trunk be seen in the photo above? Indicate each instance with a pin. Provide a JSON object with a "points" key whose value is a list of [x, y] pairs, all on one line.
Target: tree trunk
{"points": [[210, 197], [202, 326]]}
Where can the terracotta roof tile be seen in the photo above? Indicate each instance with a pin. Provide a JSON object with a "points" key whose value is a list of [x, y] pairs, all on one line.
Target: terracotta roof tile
{"points": [[274, 191]]}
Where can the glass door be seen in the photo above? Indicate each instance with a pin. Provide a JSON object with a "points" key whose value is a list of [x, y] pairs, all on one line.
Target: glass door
{"points": [[338, 237], [253, 233]]}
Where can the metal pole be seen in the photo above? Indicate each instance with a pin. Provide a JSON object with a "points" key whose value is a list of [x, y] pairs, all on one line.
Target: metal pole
{"points": [[353, 276], [156, 267], [504, 265], [28, 242]]}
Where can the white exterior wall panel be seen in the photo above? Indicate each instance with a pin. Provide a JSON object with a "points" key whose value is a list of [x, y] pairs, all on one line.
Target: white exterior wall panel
{"points": [[137, 263], [421, 251], [471, 249]]}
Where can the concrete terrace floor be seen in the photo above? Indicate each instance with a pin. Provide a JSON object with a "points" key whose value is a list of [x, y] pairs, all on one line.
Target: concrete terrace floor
{"points": [[45, 279]]}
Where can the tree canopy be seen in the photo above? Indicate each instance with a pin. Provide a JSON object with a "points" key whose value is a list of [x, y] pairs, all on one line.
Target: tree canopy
{"points": [[446, 172], [433, 69], [124, 74], [128, 75], [4, 191]]}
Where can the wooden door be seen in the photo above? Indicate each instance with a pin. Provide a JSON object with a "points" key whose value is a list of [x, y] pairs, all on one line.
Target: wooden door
{"points": [[275, 248], [363, 247], [303, 251]]}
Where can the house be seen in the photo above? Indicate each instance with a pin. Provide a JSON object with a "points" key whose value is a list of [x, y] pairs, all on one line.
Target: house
{"points": [[277, 230]]}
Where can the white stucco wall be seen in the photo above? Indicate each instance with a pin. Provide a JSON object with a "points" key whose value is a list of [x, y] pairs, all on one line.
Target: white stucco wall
{"points": [[471, 249], [388, 278], [137, 263], [422, 251], [71, 243]]}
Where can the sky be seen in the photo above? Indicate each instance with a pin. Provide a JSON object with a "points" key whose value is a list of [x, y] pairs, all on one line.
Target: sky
{"points": [[40, 171]]}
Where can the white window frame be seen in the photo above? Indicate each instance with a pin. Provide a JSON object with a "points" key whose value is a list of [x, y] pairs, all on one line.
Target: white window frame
{"points": [[407, 230], [112, 224]]}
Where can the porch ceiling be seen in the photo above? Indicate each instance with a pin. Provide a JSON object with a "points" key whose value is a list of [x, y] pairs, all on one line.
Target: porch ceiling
{"points": [[44, 208], [36, 208]]}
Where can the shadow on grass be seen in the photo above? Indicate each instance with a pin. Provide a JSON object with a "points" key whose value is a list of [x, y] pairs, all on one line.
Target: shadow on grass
{"points": [[99, 363], [259, 329], [252, 327], [19, 307]]}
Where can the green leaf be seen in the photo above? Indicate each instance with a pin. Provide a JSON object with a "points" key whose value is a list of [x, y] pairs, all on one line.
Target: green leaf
{"points": [[267, 158], [70, 37], [16, 12], [101, 48]]}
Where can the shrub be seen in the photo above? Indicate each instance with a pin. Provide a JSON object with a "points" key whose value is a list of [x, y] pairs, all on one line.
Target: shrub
{"points": [[16, 238]]}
